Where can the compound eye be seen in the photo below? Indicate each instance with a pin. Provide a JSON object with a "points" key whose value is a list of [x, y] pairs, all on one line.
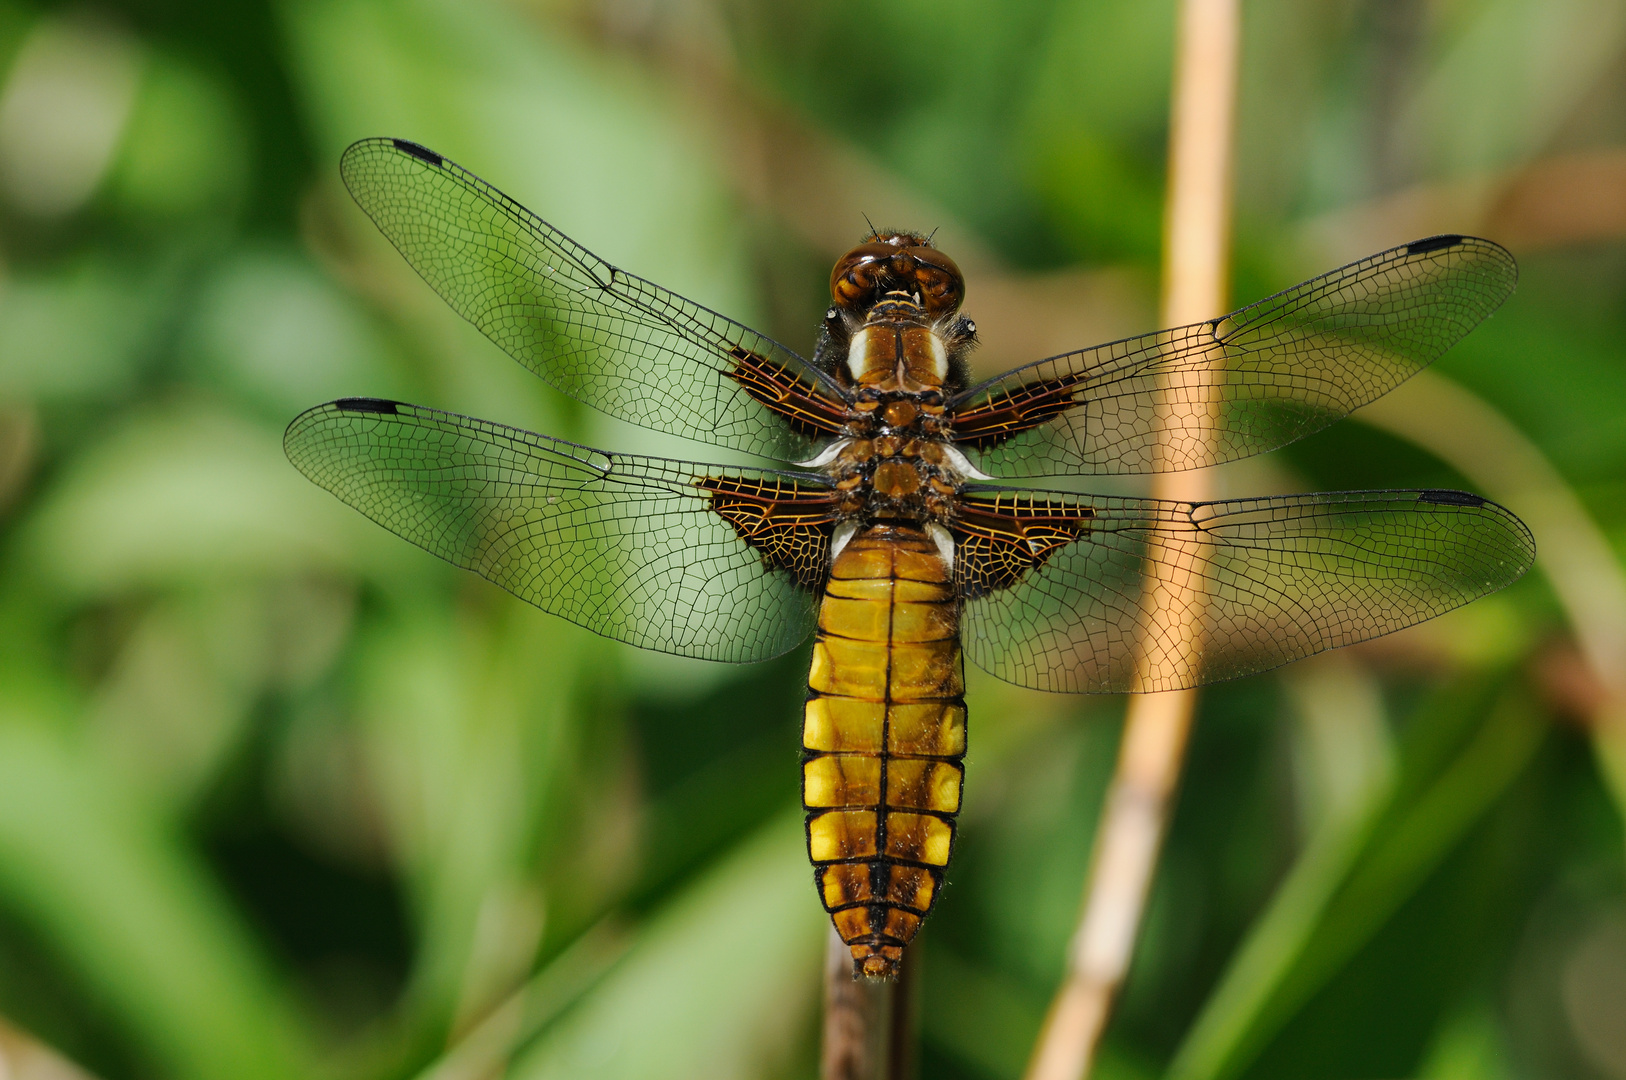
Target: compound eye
{"points": [[858, 274], [942, 286]]}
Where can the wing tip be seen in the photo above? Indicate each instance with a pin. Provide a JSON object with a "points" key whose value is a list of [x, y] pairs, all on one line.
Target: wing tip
{"points": [[1486, 249], [1518, 532]]}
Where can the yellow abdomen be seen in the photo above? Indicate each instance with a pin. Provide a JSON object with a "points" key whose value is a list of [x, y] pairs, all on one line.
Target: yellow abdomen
{"points": [[882, 740]]}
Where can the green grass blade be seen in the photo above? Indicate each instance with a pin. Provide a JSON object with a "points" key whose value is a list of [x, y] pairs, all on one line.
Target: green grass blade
{"points": [[113, 892], [1346, 887]]}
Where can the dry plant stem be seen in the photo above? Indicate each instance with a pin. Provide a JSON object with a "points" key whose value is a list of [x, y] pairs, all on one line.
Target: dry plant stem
{"points": [[26, 1058], [1196, 255], [900, 1054], [860, 1033]]}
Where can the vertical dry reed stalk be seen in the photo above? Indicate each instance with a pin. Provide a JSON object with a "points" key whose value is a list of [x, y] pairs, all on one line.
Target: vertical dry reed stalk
{"points": [[1196, 256]]}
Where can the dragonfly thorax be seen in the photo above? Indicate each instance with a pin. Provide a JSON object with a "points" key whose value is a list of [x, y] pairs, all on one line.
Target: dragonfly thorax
{"points": [[897, 477], [897, 349]]}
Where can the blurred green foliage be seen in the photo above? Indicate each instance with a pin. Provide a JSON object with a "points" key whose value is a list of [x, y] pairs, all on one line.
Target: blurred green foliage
{"points": [[281, 796]]}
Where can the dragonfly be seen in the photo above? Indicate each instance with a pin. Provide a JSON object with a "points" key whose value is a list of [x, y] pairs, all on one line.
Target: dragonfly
{"points": [[882, 520]]}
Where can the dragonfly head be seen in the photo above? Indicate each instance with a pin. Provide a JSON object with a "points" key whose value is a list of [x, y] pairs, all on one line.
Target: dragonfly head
{"points": [[897, 261]]}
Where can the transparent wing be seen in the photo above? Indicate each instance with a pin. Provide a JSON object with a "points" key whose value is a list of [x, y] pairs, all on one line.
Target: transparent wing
{"points": [[1126, 594], [598, 333], [626, 546], [1254, 380]]}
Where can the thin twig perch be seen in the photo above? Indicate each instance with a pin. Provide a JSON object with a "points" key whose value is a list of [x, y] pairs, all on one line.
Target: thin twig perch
{"points": [[866, 1021], [1196, 255]]}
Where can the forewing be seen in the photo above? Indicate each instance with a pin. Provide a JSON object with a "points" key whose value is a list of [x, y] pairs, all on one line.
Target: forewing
{"points": [[1135, 594], [603, 336], [1257, 379], [626, 546]]}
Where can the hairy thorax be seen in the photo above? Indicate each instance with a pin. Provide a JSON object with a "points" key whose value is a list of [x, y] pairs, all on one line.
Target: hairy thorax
{"points": [[902, 358], [896, 474]]}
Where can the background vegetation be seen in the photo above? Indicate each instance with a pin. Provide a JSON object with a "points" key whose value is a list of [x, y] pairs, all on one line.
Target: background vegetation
{"points": [[281, 796]]}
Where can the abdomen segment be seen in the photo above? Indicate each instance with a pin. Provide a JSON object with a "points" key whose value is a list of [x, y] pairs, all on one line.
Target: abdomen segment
{"points": [[883, 738]]}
